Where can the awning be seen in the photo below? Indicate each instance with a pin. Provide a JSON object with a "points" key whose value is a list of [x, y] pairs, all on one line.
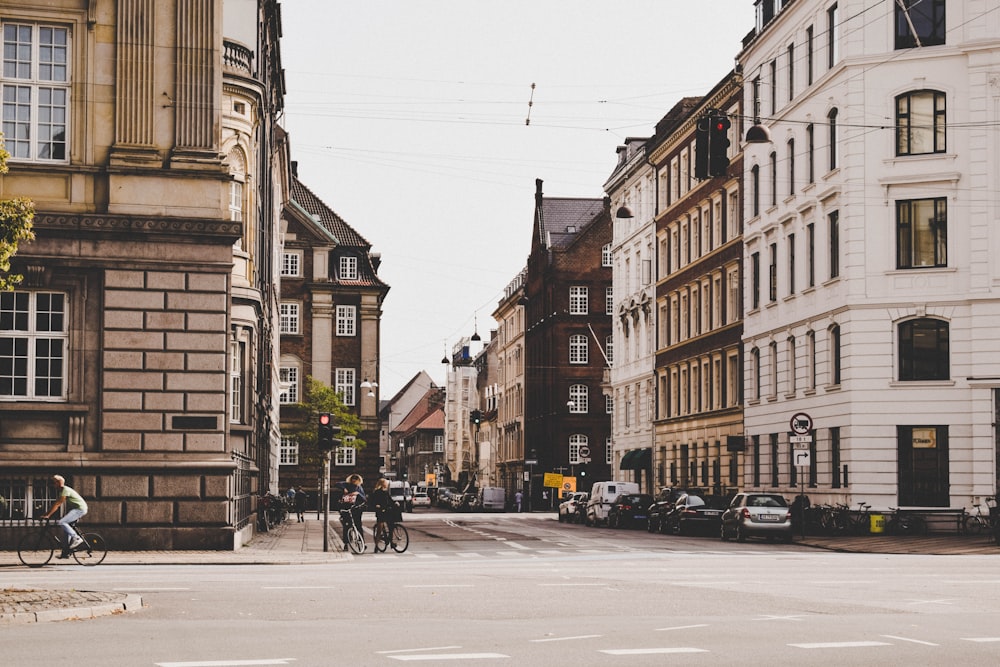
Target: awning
{"points": [[636, 459]]}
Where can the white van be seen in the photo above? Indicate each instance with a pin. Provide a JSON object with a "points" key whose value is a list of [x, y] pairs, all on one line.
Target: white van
{"points": [[493, 499], [401, 492], [602, 495]]}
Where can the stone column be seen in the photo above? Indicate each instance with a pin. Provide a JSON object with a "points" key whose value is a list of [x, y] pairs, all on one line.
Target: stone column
{"points": [[134, 81], [199, 90]]}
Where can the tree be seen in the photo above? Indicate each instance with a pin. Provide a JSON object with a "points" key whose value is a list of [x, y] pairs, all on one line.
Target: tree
{"points": [[319, 398], [15, 226]]}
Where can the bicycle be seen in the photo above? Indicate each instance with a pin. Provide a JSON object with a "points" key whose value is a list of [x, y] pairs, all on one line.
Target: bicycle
{"points": [[355, 538], [976, 523], [36, 548], [861, 521], [905, 523], [398, 537]]}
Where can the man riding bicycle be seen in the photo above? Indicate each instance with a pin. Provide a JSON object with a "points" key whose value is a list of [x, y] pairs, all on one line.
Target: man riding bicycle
{"points": [[77, 509], [351, 502]]}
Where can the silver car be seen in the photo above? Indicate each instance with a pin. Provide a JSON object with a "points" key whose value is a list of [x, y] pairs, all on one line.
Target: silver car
{"points": [[757, 515]]}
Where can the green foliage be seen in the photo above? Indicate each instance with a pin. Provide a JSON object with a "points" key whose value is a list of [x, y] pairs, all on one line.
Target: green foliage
{"points": [[319, 398], [15, 226]]}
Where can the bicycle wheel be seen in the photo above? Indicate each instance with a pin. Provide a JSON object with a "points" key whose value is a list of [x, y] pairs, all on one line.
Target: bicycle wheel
{"points": [[972, 525], [380, 538], [35, 549], [92, 551], [355, 541], [400, 538]]}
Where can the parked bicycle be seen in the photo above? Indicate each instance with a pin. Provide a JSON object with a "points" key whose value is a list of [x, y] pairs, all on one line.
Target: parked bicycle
{"points": [[976, 523], [903, 522], [37, 547], [396, 537]]}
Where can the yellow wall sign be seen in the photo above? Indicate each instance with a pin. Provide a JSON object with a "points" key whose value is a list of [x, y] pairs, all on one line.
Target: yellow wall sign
{"points": [[553, 479], [568, 485]]}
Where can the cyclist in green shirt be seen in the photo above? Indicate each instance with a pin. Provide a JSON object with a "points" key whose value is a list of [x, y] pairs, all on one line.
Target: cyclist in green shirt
{"points": [[77, 507]]}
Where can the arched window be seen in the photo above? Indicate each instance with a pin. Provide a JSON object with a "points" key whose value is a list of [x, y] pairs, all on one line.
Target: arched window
{"points": [[924, 350], [577, 442], [832, 119], [835, 354], [755, 372]]}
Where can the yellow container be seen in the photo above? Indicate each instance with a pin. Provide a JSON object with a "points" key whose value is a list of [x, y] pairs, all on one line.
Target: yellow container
{"points": [[878, 523]]}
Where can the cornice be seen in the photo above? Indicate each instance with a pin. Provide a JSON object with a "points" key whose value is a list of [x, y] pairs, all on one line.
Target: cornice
{"points": [[717, 99], [108, 224]]}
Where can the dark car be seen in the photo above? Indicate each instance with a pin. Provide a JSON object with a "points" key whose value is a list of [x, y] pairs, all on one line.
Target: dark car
{"points": [[694, 514], [662, 505], [629, 510], [757, 515]]}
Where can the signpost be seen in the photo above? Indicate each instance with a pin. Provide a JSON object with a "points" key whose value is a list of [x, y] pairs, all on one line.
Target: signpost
{"points": [[801, 425]]}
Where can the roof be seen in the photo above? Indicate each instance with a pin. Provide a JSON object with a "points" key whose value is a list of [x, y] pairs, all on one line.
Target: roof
{"points": [[326, 217], [427, 414], [562, 219]]}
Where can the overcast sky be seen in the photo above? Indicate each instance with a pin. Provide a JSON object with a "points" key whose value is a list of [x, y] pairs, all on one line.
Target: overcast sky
{"points": [[408, 118]]}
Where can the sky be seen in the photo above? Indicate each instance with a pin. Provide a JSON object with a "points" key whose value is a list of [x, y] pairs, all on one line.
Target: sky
{"points": [[424, 124]]}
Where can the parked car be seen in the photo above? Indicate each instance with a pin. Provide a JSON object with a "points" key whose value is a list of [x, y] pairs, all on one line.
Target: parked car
{"points": [[662, 505], [421, 499], [492, 499], [757, 515], [693, 514], [401, 492], [602, 494], [443, 496], [629, 510], [571, 509]]}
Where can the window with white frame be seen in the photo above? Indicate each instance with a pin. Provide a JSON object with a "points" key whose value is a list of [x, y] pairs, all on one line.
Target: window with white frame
{"points": [[34, 342], [288, 379], [609, 404], [609, 349], [609, 301], [608, 453], [25, 497], [579, 352], [289, 317], [438, 444], [289, 452], [237, 354], [578, 300], [344, 382], [346, 320], [576, 442], [345, 456], [36, 88], [606, 255], [291, 264], [579, 396], [348, 268]]}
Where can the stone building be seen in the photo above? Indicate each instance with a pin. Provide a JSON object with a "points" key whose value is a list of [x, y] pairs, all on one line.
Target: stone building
{"points": [[140, 349], [509, 433]]}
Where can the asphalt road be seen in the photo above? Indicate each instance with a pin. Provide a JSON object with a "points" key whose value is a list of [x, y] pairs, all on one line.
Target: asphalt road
{"points": [[526, 590]]}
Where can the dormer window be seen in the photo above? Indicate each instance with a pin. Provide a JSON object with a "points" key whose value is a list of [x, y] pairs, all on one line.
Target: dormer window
{"points": [[348, 268]]}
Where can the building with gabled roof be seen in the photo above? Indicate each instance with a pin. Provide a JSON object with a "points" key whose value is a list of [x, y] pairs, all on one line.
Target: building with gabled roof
{"points": [[419, 440]]}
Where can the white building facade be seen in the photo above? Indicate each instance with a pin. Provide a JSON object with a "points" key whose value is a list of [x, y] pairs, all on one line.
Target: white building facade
{"points": [[872, 288]]}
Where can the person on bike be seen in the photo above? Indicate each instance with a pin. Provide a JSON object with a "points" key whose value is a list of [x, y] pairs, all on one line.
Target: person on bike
{"points": [[300, 504], [387, 510], [77, 509], [352, 498]]}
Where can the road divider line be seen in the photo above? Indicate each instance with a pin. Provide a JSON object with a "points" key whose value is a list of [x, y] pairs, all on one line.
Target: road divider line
{"points": [[912, 641], [862, 644], [449, 656], [652, 651], [682, 627], [564, 639], [414, 650]]}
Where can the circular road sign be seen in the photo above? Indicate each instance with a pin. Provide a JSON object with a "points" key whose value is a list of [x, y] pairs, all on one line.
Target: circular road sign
{"points": [[801, 423]]}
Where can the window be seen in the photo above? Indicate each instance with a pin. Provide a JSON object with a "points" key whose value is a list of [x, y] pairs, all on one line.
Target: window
{"points": [[755, 190], [608, 451], [774, 86], [579, 395], [809, 55], [609, 404], [25, 498], [792, 368], [606, 255], [348, 268], [772, 353], [237, 353], [772, 273], [609, 301], [920, 123], [578, 298], [289, 455], [344, 384], [35, 91], [810, 360], [923, 350], [922, 233], [755, 372], [288, 379], [791, 167], [791, 72], [578, 350], [919, 23], [791, 263], [835, 354], [289, 317], [811, 255], [291, 264], [834, 221], [832, 119], [811, 153], [33, 345], [609, 349], [346, 320], [833, 34], [755, 281], [345, 456], [774, 178], [236, 200], [577, 442], [438, 444]]}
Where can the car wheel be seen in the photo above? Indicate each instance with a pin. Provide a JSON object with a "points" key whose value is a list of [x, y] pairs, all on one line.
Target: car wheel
{"points": [[741, 536]]}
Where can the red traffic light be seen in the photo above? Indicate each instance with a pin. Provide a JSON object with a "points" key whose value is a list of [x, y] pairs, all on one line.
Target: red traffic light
{"points": [[324, 418]]}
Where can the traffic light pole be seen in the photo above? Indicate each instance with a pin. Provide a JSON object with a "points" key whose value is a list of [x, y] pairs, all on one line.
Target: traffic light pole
{"points": [[326, 501]]}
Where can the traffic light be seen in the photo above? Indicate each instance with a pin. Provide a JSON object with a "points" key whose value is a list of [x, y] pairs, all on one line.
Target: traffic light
{"points": [[476, 417], [701, 148], [718, 144], [582, 474], [325, 439]]}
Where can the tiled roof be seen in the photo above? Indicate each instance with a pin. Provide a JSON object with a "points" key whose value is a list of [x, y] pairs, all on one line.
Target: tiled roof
{"points": [[330, 221], [559, 215]]}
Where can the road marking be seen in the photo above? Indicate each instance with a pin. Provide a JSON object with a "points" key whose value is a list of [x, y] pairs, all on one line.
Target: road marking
{"points": [[981, 639], [516, 545], [469, 554], [298, 588], [438, 586], [940, 601], [450, 656], [227, 663], [411, 650], [651, 651], [841, 645], [907, 639], [151, 589], [563, 639], [570, 583], [682, 627], [779, 618]]}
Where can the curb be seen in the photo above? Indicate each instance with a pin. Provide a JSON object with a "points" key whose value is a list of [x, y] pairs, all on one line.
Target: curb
{"points": [[130, 603]]}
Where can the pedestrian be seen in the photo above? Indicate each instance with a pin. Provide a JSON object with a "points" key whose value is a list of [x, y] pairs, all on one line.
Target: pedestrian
{"points": [[77, 509], [352, 498], [290, 494], [301, 498], [518, 497], [387, 510]]}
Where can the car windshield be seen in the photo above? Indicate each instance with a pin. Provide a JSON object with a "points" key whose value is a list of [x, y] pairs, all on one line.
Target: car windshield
{"points": [[695, 501], [766, 501]]}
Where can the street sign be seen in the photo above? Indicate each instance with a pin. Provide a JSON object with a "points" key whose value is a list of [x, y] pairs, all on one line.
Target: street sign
{"points": [[801, 423], [530, 462], [802, 458], [584, 452], [799, 439]]}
